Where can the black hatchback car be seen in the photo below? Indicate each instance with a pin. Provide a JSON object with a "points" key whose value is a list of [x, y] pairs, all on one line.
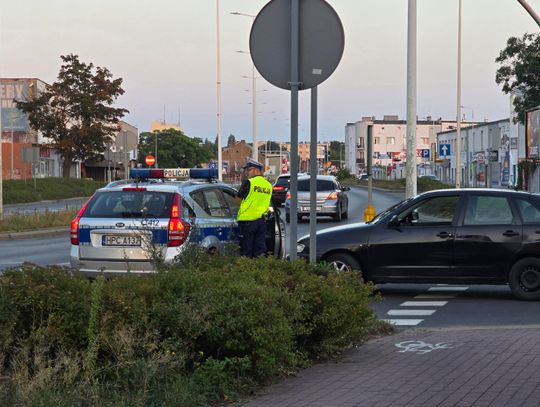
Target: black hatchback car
{"points": [[466, 236]]}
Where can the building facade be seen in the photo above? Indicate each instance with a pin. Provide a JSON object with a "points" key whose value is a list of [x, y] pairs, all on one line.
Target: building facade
{"points": [[490, 153], [389, 141]]}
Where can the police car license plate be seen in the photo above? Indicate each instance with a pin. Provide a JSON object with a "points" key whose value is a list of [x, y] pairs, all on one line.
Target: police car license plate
{"points": [[114, 240]]}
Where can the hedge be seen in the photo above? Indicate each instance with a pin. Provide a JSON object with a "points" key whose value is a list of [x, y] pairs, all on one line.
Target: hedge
{"points": [[209, 328]]}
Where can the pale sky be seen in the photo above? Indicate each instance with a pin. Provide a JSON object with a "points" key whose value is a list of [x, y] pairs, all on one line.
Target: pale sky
{"points": [[165, 50]]}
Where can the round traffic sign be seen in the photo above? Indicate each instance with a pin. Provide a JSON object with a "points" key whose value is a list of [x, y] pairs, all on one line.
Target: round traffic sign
{"points": [[150, 160], [321, 42]]}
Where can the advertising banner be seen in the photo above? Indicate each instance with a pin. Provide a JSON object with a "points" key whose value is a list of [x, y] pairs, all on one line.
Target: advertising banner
{"points": [[532, 132], [12, 118]]}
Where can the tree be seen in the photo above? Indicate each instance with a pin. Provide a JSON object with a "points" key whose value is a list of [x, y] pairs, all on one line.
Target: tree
{"points": [[231, 140], [336, 151], [175, 149], [269, 146], [519, 72], [75, 112]]}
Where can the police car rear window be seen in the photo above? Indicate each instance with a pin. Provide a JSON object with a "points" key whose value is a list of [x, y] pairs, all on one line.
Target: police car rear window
{"points": [[322, 185], [130, 204]]}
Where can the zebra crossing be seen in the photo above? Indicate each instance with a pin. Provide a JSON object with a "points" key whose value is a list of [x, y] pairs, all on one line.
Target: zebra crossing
{"points": [[424, 305]]}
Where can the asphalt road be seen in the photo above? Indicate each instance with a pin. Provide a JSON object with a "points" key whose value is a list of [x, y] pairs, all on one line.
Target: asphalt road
{"points": [[42, 251], [40, 207]]}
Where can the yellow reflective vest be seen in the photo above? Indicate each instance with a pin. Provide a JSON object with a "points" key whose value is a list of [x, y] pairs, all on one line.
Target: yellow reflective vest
{"points": [[256, 204]]}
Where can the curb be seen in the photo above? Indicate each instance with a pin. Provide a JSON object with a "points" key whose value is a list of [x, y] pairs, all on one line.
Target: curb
{"points": [[45, 201], [32, 234]]}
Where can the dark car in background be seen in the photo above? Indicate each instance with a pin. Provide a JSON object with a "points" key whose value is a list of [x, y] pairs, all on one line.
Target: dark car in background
{"points": [[332, 198], [463, 236], [281, 188]]}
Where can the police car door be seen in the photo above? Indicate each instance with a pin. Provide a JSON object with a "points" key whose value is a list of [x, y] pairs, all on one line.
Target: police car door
{"points": [[215, 224]]}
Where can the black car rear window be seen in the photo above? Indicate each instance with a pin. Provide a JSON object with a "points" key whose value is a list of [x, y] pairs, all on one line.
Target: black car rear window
{"points": [[322, 185], [130, 204], [283, 181]]}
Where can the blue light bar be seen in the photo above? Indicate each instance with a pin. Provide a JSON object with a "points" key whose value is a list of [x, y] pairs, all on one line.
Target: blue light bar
{"points": [[203, 173], [138, 173]]}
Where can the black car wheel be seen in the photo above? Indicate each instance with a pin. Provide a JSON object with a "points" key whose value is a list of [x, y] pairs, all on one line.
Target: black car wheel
{"points": [[524, 279], [346, 213], [287, 217], [343, 262]]}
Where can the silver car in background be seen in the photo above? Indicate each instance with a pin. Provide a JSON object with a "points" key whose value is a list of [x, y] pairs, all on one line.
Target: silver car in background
{"points": [[332, 198]]}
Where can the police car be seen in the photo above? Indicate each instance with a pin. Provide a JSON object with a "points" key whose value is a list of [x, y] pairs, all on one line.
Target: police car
{"points": [[126, 225]]}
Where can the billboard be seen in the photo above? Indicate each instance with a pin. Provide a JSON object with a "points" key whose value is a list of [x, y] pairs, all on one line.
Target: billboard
{"points": [[12, 118], [532, 132]]}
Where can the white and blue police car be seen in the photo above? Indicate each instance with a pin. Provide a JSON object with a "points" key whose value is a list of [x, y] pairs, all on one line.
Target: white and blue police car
{"points": [[126, 225]]}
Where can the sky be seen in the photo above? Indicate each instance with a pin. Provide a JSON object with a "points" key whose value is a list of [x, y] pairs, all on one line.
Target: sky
{"points": [[165, 51]]}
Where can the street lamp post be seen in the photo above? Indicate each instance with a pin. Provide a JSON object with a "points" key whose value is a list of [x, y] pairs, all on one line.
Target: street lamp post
{"points": [[126, 172], [218, 90], [155, 163], [458, 133], [253, 96], [467, 146]]}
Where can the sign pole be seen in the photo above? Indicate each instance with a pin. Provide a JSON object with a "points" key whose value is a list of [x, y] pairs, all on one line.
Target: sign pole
{"points": [[294, 84], [1, 173], [313, 179]]}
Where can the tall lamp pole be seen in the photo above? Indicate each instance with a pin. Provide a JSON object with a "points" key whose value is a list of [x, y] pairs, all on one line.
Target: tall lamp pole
{"points": [[458, 135], [218, 87], [530, 11], [254, 97], [411, 187]]}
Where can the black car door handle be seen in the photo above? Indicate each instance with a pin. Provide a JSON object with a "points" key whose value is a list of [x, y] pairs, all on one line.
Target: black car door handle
{"points": [[510, 233], [444, 235]]}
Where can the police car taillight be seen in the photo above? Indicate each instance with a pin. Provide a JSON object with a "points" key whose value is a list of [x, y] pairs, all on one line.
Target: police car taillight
{"points": [[178, 229], [74, 228]]}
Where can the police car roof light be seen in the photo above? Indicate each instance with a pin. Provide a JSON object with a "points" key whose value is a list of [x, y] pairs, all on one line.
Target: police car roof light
{"points": [[203, 173], [138, 173]]}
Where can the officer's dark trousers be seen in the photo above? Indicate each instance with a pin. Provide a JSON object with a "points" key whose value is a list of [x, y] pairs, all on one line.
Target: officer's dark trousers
{"points": [[252, 238]]}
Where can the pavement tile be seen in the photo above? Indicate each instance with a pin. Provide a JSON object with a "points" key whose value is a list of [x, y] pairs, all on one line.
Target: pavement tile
{"points": [[485, 367]]}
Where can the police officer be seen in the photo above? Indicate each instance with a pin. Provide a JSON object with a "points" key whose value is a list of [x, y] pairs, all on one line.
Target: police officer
{"points": [[256, 193]]}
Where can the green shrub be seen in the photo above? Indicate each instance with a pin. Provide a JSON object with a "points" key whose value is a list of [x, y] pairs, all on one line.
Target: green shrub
{"points": [[206, 329], [21, 191]]}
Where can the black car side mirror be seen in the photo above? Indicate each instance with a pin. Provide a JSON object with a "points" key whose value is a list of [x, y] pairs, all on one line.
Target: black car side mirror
{"points": [[346, 188], [394, 222]]}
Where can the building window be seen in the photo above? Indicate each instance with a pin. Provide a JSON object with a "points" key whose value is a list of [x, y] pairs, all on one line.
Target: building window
{"points": [[424, 140], [376, 140], [390, 140]]}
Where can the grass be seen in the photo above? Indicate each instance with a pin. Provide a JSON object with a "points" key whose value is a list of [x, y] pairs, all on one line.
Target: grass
{"points": [[21, 222], [22, 191]]}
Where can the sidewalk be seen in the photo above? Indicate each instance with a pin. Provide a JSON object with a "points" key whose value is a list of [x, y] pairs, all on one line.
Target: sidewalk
{"points": [[454, 367]]}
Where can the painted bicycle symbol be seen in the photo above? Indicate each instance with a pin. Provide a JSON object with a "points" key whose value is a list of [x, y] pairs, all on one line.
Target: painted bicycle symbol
{"points": [[421, 347]]}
